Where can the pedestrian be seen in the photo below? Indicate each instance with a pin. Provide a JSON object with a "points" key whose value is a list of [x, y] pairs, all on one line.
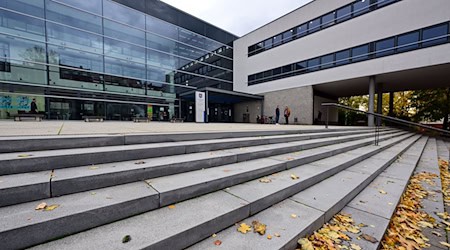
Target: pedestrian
{"points": [[287, 113], [33, 108], [277, 114]]}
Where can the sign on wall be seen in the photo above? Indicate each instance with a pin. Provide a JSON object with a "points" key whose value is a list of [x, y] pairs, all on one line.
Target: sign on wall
{"points": [[200, 106]]}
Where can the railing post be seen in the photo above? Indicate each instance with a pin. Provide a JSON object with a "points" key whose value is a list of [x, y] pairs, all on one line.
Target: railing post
{"points": [[326, 124]]}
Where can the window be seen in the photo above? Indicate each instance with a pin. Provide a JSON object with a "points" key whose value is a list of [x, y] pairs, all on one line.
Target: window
{"points": [[328, 19], [268, 43], [276, 40], [327, 61], [435, 35], [314, 25], [286, 70], [342, 57], [276, 71], [267, 74], [288, 36], [385, 47], [313, 64], [360, 53], [251, 78], [251, 49], [300, 67], [302, 30], [382, 3], [344, 13], [5, 65], [408, 41], [360, 7]]}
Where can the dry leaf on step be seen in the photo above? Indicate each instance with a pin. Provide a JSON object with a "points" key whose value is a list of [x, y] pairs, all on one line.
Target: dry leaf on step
{"points": [[171, 206], [139, 162], [369, 238], [244, 228], [259, 227], [41, 206], [265, 180], [51, 207], [355, 247], [294, 177], [306, 244], [126, 239], [382, 191], [217, 242], [437, 234]]}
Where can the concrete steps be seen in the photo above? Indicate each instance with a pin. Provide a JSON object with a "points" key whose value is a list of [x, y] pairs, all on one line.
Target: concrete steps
{"points": [[213, 183], [204, 214], [34, 161], [19, 188]]}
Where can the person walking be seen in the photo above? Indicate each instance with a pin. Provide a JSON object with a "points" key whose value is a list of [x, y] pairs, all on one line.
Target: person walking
{"points": [[277, 114], [287, 113], [33, 109]]}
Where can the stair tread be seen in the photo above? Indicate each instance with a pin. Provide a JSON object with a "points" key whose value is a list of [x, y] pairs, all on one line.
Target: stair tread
{"points": [[110, 236]]}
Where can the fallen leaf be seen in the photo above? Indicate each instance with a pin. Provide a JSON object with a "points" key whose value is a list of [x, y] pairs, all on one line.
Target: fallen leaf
{"points": [[51, 207], [214, 235], [362, 225], [139, 162], [265, 180], [363, 202], [425, 224], [369, 238], [171, 206], [289, 158], [109, 197], [436, 233], [259, 227], [93, 193], [382, 191], [355, 246], [293, 215], [126, 239], [244, 228], [24, 155], [294, 177], [269, 237], [217, 242], [444, 244], [306, 244], [390, 204], [41, 206], [277, 235], [93, 168], [446, 223], [226, 170]]}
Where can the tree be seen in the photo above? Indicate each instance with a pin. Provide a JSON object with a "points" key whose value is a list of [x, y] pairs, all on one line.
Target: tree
{"points": [[432, 105]]}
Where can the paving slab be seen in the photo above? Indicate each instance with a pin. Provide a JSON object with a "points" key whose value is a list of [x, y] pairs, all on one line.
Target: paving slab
{"points": [[71, 180], [376, 227], [165, 228], [175, 188], [23, 226], [373, 200], [278, 220], [333, 193], [16, 189]]}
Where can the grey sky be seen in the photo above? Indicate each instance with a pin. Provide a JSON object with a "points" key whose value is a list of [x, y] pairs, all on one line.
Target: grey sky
{"points": [[237, 16]]}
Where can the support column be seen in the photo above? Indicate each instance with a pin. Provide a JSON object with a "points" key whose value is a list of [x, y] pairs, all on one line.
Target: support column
{"points": [[379, 102], [391, 103], [206, 107], [370, 118]]}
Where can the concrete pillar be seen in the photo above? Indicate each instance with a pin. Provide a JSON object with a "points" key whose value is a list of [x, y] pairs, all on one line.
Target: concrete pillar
{"points": [[370, 118], [391, 103]]}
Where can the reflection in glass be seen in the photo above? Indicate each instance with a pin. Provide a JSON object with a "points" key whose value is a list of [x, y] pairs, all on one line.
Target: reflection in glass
{"points": [[69, 37], [313, 64], [123, 14], [408, 41], [360, 53], [74, 18], [342, 57], [124, 33], [360, 7], [94, 6], [385, 47], [314, 25], [302, 30], [344, 13], [328, 20], [327, 61], [34, 8], [288, 36], [22, 25], [162, 28], [437, 35]]}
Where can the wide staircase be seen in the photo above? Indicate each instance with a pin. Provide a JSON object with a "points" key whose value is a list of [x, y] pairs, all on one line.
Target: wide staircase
{"points": [[174, 191]]}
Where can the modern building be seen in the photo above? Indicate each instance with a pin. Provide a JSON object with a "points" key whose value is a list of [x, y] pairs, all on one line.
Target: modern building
{"points": [[118, 59], [330, 49]]}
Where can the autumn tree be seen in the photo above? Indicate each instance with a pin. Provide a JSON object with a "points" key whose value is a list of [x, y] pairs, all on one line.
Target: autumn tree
{"points": [[432, 105]]}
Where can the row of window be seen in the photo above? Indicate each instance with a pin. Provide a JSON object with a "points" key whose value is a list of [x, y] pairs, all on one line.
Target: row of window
{"points": [[426, 37], [340, 15]]}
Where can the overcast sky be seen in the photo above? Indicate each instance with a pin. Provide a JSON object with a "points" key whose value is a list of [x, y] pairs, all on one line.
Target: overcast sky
{"points": [[237, 16]]}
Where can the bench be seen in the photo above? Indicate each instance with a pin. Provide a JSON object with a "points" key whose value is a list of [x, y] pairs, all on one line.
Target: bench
{"points": [[89, 118], [174, 119], [141, 119], [37, 117]]}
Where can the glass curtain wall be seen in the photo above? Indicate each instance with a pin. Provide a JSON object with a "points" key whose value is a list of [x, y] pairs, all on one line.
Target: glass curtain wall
{"points": [[100, 45]]}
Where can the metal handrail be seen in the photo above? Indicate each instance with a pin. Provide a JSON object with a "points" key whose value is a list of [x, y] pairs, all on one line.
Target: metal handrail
{"points": [[389, 118]]}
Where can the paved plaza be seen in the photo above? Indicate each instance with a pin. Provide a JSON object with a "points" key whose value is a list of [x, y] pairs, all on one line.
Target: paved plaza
{"points": [[27, 128]]}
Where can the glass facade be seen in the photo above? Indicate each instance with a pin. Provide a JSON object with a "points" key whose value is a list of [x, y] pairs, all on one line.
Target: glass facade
{"points": [[101, 46], [417, 39]]}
